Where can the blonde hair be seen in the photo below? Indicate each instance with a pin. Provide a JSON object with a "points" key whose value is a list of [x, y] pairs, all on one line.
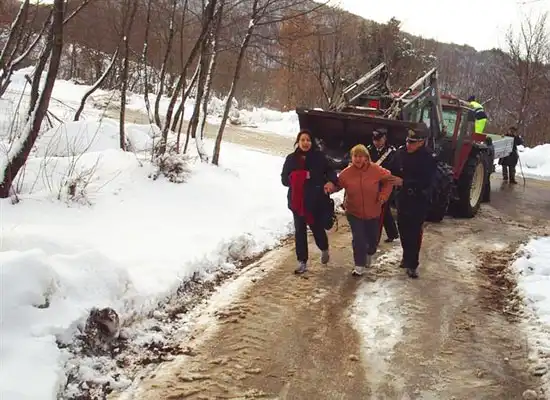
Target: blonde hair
{"points": [[360, 150]]}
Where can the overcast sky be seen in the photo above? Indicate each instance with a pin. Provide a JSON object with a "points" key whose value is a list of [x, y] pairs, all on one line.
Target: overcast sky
{"points": [[479, 23]]}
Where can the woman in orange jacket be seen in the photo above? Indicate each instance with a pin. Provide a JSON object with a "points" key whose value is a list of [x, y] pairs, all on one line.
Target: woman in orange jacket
{"points": [[368, 186]]}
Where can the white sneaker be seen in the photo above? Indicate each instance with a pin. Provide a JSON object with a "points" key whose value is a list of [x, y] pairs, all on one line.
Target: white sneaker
{"points": [[358, 270]]}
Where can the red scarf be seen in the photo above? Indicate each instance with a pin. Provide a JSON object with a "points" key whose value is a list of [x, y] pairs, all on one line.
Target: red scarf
{"points": [[297, 188]]}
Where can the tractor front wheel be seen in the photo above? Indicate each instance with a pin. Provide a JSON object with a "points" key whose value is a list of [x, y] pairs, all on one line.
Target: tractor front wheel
{"points": [[441, 195], [470, 188]]}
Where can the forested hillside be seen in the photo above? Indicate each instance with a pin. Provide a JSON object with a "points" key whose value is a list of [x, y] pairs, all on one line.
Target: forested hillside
{"points": [[298, 53]]}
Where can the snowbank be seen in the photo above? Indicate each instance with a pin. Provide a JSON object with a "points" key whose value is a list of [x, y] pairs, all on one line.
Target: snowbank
{"points": [[133, 246], [533, 276], [535, 161]]}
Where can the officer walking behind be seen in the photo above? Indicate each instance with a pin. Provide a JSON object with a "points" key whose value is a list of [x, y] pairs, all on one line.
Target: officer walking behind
{"points": [[510, 161], [480, 115], [382, 154], [416, 166]]}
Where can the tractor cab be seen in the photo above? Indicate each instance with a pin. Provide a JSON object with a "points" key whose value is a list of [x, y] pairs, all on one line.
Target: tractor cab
{"points": [[453, 139]]}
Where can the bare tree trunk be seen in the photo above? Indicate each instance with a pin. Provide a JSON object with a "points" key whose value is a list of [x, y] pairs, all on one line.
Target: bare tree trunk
{"points": [[164, 66], [124, 75], [178, 117], [210, 76], [14, 36], [194, 122], [144, 62], [236, 76], [96, 86], [18, 155]]}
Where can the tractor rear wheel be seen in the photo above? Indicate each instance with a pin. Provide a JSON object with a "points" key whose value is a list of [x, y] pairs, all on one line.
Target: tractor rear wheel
{"points": [[441, 195], [470, 187]]}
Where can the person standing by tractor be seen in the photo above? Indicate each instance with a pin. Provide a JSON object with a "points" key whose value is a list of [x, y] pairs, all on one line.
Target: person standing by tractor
{"points": [[480, 114], [305, 173], [415, 166], [510, 162], [382, 154]]}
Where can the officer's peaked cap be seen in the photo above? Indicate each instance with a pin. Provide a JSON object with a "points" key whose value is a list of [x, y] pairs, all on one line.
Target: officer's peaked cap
{"points": [[416, 135]]}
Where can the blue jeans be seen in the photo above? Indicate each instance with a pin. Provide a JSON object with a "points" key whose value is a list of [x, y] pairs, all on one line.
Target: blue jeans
{"points": [[364, 233]]}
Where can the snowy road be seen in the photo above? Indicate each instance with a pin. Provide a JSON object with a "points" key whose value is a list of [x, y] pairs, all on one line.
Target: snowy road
{"points": [[444, 336], [451, 334]]}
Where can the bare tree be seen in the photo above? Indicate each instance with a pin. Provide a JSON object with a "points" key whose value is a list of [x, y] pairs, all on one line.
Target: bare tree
{"points": [[130, 9], [209, 13], [527, 53], [18, 154], [165, 61], [262, 13], [145, 64], [214, 43], [96, 85]]}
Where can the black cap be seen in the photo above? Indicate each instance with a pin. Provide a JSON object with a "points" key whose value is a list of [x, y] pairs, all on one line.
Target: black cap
{"points": [[472, 98], [416, 136], [378, 134]]}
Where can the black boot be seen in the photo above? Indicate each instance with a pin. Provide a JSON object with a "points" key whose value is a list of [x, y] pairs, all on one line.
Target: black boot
{"points": [[391, 239], [402, 264], [513, 174]]}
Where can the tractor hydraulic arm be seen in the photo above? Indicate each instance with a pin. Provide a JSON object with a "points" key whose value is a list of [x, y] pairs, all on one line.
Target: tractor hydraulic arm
{"points": [[408, 105], [375, 79]]}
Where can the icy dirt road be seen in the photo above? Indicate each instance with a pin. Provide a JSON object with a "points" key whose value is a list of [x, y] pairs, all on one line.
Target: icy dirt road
{"points": [[331, 336], [452, 334]]}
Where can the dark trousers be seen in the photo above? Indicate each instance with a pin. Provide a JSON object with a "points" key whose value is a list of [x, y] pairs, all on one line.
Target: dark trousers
{"points": [[410, 230], [388, 222], [364, 234], [300, 237], [509, 171]]}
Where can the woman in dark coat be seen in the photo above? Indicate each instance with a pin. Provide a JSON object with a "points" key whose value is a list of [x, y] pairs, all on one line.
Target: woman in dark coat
{"points": [[306, 172]]}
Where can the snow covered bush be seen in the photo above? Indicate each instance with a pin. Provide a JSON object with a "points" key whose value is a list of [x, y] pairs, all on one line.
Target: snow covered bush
{"points": [[174, 166]]}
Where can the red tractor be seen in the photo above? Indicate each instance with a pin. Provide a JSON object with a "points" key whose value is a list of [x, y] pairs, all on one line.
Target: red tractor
{"points": [[465, 158]]}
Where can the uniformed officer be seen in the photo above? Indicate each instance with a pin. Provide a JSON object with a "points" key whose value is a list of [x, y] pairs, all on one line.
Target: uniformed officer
{"points": [[382, 154], [416, 167]]}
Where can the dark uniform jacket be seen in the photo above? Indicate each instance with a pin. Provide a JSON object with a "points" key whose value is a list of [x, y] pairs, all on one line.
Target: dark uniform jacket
{"points": [[418, 171], [376, 154]]}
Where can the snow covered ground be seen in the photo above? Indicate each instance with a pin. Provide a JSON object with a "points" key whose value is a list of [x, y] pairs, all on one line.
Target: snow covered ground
{"points": [[533, 276], [93, 229], [535, 162]]}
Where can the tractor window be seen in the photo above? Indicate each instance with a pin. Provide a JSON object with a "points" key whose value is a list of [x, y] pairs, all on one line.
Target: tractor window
{"points": [[449, 120]]}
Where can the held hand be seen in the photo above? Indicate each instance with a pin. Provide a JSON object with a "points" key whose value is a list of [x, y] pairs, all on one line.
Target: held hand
{"points": [[395, 180], [330, 188]]}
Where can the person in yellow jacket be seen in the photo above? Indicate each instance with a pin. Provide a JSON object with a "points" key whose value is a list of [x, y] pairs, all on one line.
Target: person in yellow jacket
{"points": [[480, 115]]}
